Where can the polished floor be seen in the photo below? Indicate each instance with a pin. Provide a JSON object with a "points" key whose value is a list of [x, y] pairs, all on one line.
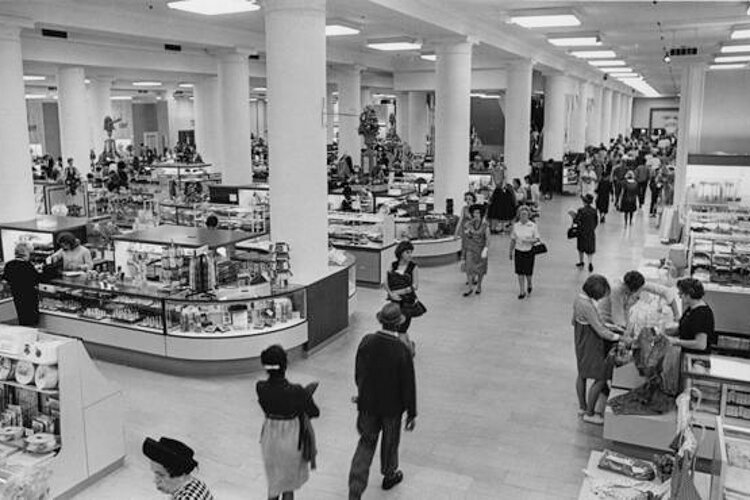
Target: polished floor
{"points": [[497, 408]]}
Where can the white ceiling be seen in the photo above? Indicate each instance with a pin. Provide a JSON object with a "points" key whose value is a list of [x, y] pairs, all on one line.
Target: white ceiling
{"points": [[638, 31]]}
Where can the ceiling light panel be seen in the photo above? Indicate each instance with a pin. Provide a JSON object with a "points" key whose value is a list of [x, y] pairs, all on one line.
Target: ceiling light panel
{"points": [[394, 44], [594, 54], [741, 34], [147, 84], [619, 69], [428, 57], [575, 41], [121, 98], [733, 49], [340, 30], [641, 86], [728, 66], [732, 59], [186, 85], [214, 7], [33, 78], [608, 63], [546, 21], [259, 89]]}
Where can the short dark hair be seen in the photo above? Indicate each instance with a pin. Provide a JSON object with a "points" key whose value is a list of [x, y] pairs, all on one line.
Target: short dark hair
{"points": [[274, 355], [633, 280], [403, 247], [691, 287], [587, 198], [472, 195], [475, 207], [596, 286], [212, 221], [67, 238]]}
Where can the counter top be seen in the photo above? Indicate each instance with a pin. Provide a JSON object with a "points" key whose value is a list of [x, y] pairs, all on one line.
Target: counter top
{"points": [[47, 224], [189, 237]]}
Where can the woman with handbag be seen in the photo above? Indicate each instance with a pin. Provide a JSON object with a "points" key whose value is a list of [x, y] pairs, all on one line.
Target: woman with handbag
{"points": [[585, 221], [523, 237], [476, 249], [401, 285], [286, 440]]}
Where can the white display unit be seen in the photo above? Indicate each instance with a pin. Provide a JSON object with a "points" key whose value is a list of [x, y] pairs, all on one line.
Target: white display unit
{"points": [[90, 411]]}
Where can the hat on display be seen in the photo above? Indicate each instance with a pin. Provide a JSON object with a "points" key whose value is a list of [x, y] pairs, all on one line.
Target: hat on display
{"points": [[390, 315], [173, 455]]}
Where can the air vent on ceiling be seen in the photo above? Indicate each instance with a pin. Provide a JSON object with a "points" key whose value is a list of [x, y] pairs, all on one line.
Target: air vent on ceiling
{"points": [[173, 47], [143, 91], [683, 51], [54, 33], [254, 57]]}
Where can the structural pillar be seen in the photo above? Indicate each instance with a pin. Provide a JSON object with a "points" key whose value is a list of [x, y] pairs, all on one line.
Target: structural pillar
{"points": [[208, 121], [578, 129], [330, 112], [553, 146], [418, 121], [594, 130], [614, 124], [173, 132], [74, 124], [518, 119], [366, 96], [452, 124], [402, 115], [100, 105], [350, 107], [606, 116], [690, 122], [628, 124], [16, 183], [296, 45], [234, 94]]}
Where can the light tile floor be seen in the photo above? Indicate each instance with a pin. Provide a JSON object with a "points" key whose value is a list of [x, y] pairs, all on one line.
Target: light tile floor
{"points": [[497, 409]]}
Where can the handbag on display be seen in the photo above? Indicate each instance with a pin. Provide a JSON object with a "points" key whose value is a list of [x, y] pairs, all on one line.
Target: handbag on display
{"points": [[539, 248]]}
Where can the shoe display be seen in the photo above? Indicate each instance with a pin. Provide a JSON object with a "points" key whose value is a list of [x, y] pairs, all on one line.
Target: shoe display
{"points": [[392, 480]]}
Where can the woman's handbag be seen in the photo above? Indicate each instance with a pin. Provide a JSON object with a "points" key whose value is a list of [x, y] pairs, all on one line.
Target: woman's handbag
{"points": [[573, 231], [539, 248], [413, 309]]}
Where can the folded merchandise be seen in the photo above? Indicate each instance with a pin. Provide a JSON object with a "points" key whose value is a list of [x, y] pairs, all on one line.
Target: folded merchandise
{"points": [[628, 466], [25, 371]]}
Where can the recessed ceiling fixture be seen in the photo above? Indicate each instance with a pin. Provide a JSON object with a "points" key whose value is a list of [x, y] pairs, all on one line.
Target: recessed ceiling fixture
{"points": [[546, 21], [394, 44], [733, 49], [574, 41], [86, 81], [667, 59], [627, 76], [33, 78], [741, 33], [732, 59], [616, 62], [36, 96], [428, 56], [728, 66], [214, 7], [259, 89], [338, 29], [146, 84], [594, 54], [186, 85], [618, 69], [121, 98], [641, 86]]}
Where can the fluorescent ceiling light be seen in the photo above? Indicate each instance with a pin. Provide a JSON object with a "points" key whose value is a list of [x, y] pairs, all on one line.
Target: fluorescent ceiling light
{"points": [[546, 21], [641, 86], [340, 30], [33, 78], [186, 85], [728, 66], [121, 98], [617, 69], [732, 59], [259, 89], [628, 76], [253, 99], [146, 84], [594, 54], [740, 34], [428, 57], [609, 62], [214, 7], [86, 81], [36, 96], [733, 49], [575, 41], [394, 44], [748, 10]]}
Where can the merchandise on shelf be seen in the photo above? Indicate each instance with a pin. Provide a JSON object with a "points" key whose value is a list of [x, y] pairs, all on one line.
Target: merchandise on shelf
{"points": [[722, 259], [360, 229]]}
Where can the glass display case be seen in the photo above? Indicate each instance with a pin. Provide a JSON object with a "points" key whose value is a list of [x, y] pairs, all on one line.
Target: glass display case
{"points": [[722, 259], [41, 233], [724, 384], [426, 227], [185, 182], [731, 462], [360, 229]]}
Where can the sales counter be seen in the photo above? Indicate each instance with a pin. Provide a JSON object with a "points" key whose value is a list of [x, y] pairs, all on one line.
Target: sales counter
{"points": [[172, 330]]}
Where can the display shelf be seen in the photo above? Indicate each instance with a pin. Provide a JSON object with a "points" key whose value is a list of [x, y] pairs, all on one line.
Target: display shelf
{"points": [[28, 387], [731, 461], [369, 237], [243, 333], [41, 232]]}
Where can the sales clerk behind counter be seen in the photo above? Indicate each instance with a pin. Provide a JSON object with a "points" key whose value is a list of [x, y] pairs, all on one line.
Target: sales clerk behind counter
{"points": [[75, 257]]}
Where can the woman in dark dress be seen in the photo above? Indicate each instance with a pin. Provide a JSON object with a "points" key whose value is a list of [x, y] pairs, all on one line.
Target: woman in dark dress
{"points": [[586, 218], [603, 195], [288, 408], [696, 331], [502, 208], [23, 279], [401, 285], [628, 202]]}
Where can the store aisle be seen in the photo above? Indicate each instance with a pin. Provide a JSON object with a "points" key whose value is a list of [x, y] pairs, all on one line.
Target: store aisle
{"points": [[497, 410]]}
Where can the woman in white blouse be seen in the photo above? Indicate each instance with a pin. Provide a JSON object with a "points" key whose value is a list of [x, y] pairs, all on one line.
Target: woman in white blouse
{"points": [[523, 237]]}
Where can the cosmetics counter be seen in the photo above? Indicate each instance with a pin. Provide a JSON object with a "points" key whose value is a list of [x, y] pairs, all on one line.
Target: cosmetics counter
{"points": [[433, 236], [369, 238], [187, 300], [41, 233]]}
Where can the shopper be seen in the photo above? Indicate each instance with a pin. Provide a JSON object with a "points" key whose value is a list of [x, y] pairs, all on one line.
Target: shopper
{"points": [[212, 222], [547, 179], [642, 175], [615, 308], [401, 285], [288, 408], [386, 388], [172, 463], [618, 177], [519, 193], [655, 185], [629, 198], [695, 332], [502, 208], [522, 239], [476, 241], [586, 179], [531, 191], [592, 343], [74, 256], [586, 219], [603, 195], [469, 200], [23, 279]]}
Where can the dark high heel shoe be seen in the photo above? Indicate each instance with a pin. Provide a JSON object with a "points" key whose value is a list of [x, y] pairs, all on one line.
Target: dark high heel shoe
{"points": [[521, 296], [528, 290], [468, 292]]}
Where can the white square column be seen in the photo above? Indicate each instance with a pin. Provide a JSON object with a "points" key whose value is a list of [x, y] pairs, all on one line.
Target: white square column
{"points": [[207, 112], [349, 79], [553, 146], [75, 133], [234, 96], [518, 119], [578, 128], [690, 121], [606, 116], [594, 129], [100, 106]]}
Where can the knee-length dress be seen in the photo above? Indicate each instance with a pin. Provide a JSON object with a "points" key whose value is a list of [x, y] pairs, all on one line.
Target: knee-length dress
{"points": [[284, 403], [603, 194], [591, 349], [587, 220], [629, 201], [475, 240]]}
